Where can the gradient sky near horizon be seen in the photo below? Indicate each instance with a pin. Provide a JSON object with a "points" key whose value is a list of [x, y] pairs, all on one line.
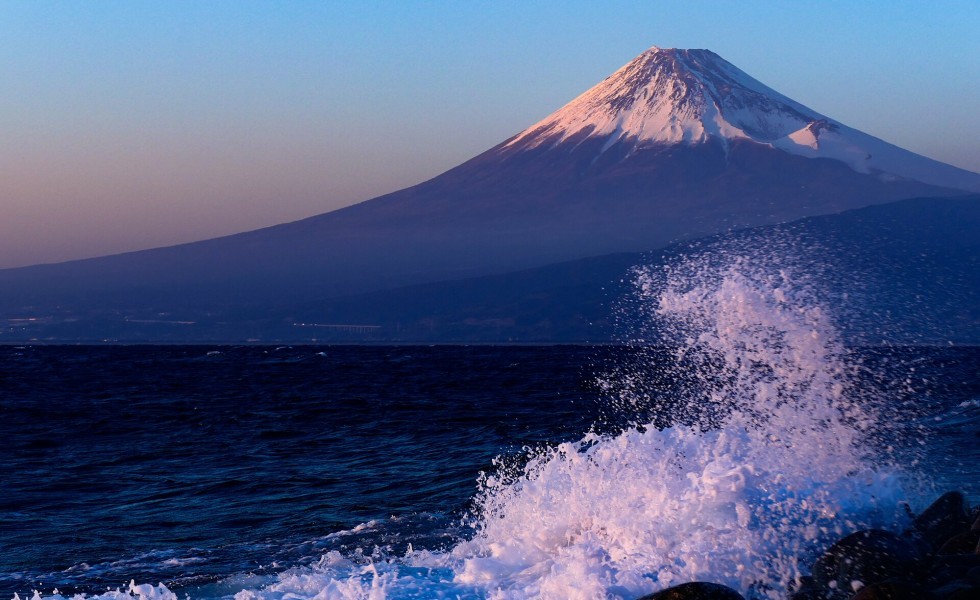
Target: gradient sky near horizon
{"points": [[129, 125]]}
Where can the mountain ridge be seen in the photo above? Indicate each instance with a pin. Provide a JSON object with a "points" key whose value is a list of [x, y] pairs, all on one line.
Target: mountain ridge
{"points": [[515, 206], [672, 96], [902, 272]]}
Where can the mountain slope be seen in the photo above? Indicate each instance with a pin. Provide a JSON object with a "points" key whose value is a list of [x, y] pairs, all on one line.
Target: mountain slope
{"points": [[692, 96], [903, 272], [676, 145]]}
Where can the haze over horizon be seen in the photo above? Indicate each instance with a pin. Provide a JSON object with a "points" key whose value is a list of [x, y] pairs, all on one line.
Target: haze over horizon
{"points": [[135, 126]]}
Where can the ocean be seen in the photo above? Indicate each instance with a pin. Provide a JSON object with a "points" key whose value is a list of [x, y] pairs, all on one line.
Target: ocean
{"points": [[732, 452]]}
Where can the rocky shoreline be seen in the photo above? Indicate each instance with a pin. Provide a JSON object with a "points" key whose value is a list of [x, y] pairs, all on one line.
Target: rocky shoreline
{"points": [[937, 558]]}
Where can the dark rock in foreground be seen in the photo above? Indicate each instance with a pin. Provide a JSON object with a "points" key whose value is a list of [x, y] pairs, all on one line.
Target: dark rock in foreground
{"points": [[901, 589], [937, 559], [946, 517], [696, 590], [866, 557]]}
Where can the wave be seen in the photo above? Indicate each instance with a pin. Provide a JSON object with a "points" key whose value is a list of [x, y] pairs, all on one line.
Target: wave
{"points": [[759, 453]]}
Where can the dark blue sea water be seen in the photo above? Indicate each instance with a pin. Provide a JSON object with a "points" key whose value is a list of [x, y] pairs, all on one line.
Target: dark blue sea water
{"points": [[189, 464], [735, 450], [208, 468]]}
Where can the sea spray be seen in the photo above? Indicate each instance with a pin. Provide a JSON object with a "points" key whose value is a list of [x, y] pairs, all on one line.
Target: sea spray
{"points": [[765, 463], [747, 452]]}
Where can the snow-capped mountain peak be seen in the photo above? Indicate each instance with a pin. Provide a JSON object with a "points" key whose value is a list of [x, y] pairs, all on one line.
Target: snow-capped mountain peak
{"points": [[671, 96], [676, 96]]}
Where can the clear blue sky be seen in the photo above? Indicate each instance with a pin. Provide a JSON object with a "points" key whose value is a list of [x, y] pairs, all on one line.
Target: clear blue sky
{"points": [[132, 124]]}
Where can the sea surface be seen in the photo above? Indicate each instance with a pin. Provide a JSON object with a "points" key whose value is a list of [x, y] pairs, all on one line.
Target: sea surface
{"points": [[280, 473]]}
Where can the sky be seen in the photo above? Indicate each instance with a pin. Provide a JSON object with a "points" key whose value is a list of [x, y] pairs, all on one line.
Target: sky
{"points": [[136, 124]]}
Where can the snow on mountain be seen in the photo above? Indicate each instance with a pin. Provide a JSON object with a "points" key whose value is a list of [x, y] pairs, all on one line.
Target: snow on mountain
{"points": [[673, 96]]}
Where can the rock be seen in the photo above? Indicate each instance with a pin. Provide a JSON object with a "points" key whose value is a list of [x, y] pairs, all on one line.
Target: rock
{"points": [[953, 566], [956, 590], [865, 558], [893, 589], [946, 517], [937, 559], [942, 574], [696, 590], [961, 543], [806, 590], [922, 547]]}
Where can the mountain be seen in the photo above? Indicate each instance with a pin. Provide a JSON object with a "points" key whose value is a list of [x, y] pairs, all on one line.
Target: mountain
{"points": [[677, 144], [668, 97], [902, 272]]}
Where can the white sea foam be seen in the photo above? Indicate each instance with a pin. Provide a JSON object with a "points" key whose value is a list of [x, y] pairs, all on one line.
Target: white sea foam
{"points": [[133, 592], [766, 464], [769, 466]]}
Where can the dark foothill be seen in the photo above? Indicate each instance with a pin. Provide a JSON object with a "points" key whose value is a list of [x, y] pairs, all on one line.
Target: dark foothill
{"points": [[870, 556], [696, 590], [946, 517]]}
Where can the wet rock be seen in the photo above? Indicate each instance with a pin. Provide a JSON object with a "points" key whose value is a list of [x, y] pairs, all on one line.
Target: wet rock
{"points": [[946, 517], [937, 559], [956, 590], [893, 589], [962, 543], [696, 590], [807, 594], [806, 589], [953, 566], [865, 558], [922, 547]]}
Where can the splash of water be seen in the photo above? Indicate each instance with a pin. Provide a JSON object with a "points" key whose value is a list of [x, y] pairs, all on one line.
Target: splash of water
{"points": [[757, 460], [765, 463]]}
